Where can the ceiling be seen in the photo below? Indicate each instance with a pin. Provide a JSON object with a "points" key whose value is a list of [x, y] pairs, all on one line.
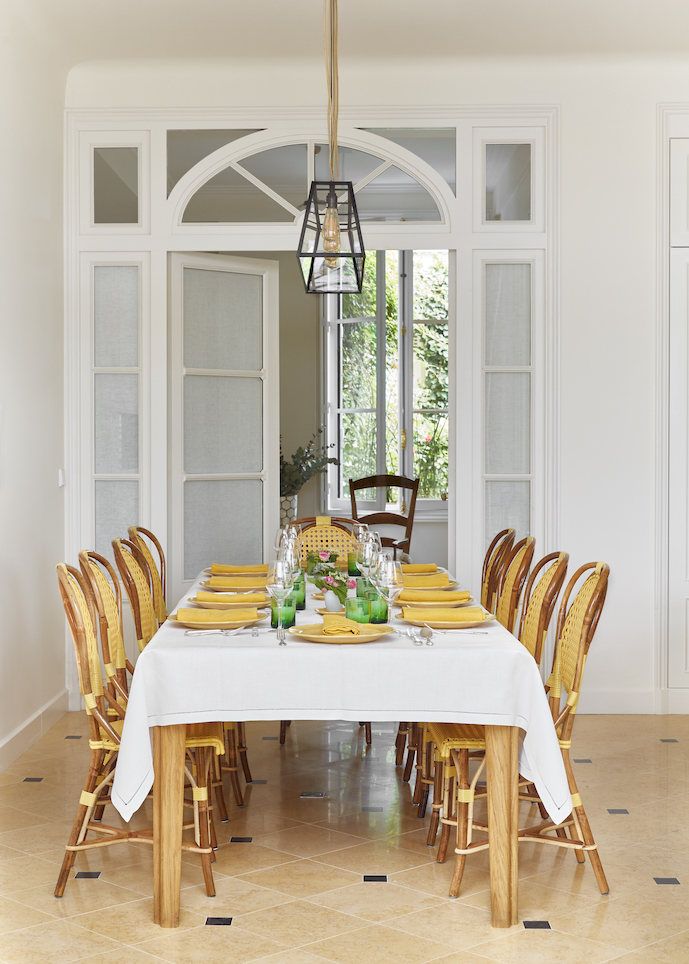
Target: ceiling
{"points": [[96, 29]]}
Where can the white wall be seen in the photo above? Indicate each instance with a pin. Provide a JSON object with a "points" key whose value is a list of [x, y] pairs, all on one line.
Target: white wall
{"points": [[32, 634]]}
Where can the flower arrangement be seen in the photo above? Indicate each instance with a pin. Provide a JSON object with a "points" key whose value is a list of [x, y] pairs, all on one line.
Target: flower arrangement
{"points": [[326, 576], [314, 558], [304, 464]]}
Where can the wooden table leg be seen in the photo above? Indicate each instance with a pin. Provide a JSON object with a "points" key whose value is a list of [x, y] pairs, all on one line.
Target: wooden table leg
{"points": [[502, 765], [168, 806]]}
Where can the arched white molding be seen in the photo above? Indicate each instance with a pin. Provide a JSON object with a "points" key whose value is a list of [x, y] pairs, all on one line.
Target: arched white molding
{"points": [[235, 151]]}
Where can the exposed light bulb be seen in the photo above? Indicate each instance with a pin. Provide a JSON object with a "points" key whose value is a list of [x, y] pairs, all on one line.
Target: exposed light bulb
{"points": [[331, 229]]}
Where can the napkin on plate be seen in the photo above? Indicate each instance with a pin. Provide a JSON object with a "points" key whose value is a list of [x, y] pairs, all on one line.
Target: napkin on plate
{"points": [[214, 615], [218, 569], [336, 625], [428, 595], [426, 582], [467, 614], [248, 597], [236, 582], [419, 567]]}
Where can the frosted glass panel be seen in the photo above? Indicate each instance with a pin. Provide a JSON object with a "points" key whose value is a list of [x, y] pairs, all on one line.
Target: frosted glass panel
{"points": [[116, 185], [508, 182], [222, 523], [222, 320], [222, 424], [508, 423], [436, 147], [228, 198], [508, 505], [117, 508], [116, 415], [396, 196], [116, 316], [508, 314], [283, 170], [354, 165], [187, 148]]}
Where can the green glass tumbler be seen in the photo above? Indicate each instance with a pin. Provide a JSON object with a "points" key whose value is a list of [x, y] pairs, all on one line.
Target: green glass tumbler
{"points": [[358, 608], [379, 608], [299, 593], [363, 586], [352, 568], [288, 613]]}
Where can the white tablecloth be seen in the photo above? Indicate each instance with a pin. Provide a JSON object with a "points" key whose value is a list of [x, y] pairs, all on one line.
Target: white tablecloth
{"points": [[488, 679]]}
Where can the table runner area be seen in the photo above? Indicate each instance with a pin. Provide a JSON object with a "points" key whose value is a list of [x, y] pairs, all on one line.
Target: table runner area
{"points": [[489, 679]]}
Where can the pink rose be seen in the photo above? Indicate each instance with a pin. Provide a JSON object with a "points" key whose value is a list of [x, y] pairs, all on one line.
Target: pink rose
{"points": [[329, 580], [428, 438], [323, 556], [351, 584]]}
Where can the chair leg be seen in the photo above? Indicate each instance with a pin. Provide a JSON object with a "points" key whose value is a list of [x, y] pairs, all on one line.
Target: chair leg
{"points": [[400, 743], [411, 751], [367, 730], [241, 746], [438, 781], [283, 730], [462, 823], [425, 773], [449, 811], [586, 834], [231, 764], [216, 783], [97, 757], [203, 780]]}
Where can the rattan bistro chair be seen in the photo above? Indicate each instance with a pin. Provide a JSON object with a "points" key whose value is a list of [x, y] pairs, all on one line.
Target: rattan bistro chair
{"points": [[513, 577], [540, 598], [324, 533], [373, 519], [492, 566], [107, 596], [158, 577]]}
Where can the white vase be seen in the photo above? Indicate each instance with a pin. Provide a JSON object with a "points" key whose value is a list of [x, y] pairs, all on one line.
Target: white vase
{"points": [[332, 603], [288, 509]]}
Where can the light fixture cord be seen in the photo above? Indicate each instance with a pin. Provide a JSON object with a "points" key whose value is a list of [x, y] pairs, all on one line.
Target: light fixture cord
{"points": [[330, 22]]}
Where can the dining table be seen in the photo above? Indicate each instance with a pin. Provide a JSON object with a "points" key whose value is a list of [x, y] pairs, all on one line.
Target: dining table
{"points": [[481, 675]]}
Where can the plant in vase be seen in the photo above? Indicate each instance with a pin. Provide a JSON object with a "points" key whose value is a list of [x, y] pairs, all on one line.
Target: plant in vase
{"points": [[303, 465], [331, 579]]}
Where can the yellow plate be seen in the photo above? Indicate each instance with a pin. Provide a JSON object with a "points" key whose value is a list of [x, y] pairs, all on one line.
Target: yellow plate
{"points": [[316, 595], [224, 624], [247, 572], [445, 623], [322, 612], [436, 605], [314, 634], [452, 584], [249, 587], [227, 604]]}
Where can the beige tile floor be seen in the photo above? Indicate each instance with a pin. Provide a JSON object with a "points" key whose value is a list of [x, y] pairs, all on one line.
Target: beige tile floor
{"points": [[295, 893]]}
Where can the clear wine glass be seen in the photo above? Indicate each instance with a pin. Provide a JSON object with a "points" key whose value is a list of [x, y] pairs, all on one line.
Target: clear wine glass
{"points": [[279, 583], [389, 579]]}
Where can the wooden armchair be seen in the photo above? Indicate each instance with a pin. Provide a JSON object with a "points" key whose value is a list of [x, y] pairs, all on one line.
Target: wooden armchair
{"points": [[373, 519]]}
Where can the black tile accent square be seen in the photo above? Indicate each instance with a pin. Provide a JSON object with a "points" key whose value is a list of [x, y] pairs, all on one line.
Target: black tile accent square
{"points": [[618, 811], [312, 793], [241, 839], [666, 880], [72, 738], [269, 738], [669, 741], [219, 920], [33, 780], [257, 781], [537, 925], [88, 875], [583, 761], [371, 809], [375, 878]]}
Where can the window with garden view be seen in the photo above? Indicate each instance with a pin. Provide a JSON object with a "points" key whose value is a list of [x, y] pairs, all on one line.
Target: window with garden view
{"points": [[388, 376]]}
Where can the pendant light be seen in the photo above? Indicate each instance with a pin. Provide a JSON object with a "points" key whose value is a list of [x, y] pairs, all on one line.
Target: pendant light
{"points": [[331, 248]]}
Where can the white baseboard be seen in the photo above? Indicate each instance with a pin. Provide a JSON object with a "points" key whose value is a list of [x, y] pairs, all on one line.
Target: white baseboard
{"points": [[627, 702], [31, 730]]}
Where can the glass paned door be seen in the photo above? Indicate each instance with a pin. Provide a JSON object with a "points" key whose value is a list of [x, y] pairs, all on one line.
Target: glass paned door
{"points": [[224, 412]]}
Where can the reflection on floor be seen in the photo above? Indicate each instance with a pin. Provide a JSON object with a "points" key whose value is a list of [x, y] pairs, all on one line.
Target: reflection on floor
{"points": [[295, 894]]}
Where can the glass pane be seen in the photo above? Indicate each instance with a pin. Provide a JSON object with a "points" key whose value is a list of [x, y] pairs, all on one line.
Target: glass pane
{"points": [[116, 185], [222, 320], [508, 182], [187, 148], [437, 147], [508, 505], [358, 448], [508, 423], [358, 364], [283, 169], [430, 454], [363, 305], [396, 196], [508, 314], [116, 508], [116, 316], [391, 362], [116, 417], [429, 377], [354, 165], [430, 285], [228, 197], [223, 420], [223, 522]]}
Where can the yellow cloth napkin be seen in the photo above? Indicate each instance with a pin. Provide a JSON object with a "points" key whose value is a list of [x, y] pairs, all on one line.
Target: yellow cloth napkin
{"points": [[214, 615], [426, 582], [465, 614], [218, 570], [237, 582], [428, 595], [335, 625], [248, 597], [419, 567]]}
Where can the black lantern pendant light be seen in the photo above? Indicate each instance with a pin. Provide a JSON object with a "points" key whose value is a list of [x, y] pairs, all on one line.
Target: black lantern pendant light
{"points": [[331, 248]]}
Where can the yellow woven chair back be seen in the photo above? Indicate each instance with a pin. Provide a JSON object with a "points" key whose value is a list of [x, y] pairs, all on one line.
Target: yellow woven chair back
{"points": [[512, 582], [138, 592], [325, 534], [496, 554], [539, 602], [80, 617], [136, 534], [109, 609]]}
